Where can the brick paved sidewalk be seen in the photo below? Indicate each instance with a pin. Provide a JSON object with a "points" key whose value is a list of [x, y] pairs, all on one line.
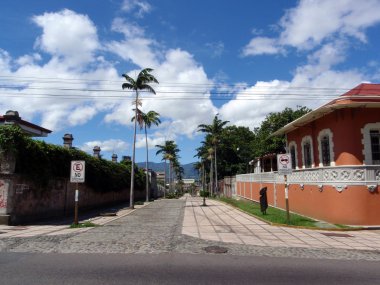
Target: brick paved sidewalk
{"points": [[221, 222]]}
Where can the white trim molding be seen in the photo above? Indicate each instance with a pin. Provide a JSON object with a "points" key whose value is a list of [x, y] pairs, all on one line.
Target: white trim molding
{"points": [[291, 144], [310, 140], [366, 141], [321, 134]]}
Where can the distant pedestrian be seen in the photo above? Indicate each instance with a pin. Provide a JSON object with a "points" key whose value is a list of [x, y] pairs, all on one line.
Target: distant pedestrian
{"points": [[263, 200]]}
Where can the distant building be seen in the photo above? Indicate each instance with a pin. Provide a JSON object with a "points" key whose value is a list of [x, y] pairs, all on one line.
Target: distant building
{"points": [[160, 175], [13, 118]]}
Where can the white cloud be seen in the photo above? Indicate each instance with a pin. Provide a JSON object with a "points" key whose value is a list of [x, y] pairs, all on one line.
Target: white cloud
{"points": [[315, 22], [262, 45], [135, 47], [28, 59], [152, 141], [177, 101], [311, 22], [111, 145], [5, 61], [67, 35], [139, 7]]}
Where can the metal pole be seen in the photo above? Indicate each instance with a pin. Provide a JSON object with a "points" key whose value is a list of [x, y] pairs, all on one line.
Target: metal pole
{"points": [[287, 199], [76, 205]]}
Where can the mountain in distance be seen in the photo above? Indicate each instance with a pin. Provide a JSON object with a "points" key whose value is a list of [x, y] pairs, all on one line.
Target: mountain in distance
{"points": [[189, 170]]}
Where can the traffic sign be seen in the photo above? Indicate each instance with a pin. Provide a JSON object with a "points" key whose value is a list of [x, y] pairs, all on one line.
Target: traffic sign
{"points": [[77, 173], [284, 164]]}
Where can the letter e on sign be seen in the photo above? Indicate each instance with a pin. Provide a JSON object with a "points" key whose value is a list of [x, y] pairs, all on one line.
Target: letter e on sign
{"points": [[77, 172]]}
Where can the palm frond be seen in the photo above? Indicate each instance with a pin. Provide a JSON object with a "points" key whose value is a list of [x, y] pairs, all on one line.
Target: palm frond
{"points": [[148, 88], [128, 86]]}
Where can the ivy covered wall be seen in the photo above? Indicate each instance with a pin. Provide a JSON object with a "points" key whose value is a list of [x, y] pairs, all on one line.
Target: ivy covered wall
{"points": [[41, 162]]}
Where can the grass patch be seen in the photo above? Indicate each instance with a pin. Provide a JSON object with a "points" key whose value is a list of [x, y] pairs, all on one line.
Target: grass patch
{"points": [[87, 224], [273, 215]]}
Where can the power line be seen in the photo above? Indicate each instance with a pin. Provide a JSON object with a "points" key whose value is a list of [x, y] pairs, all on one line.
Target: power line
{"points": [[164, 84]]}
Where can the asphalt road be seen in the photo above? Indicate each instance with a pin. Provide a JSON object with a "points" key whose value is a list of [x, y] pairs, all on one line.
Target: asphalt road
{"points": [[37, 268]]}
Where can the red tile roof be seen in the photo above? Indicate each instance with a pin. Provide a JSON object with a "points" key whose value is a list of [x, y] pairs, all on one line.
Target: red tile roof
{"points": [[364, 89]]}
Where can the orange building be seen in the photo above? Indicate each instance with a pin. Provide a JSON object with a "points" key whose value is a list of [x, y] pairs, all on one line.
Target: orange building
{"points": [[335, 153]]}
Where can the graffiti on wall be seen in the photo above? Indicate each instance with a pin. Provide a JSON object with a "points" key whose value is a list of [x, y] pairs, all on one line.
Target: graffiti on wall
{"points": [[3, 194]]}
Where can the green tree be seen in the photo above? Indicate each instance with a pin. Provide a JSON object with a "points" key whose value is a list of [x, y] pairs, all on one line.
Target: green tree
{"points": [[140, 84], [236, 145], [264, 142]]}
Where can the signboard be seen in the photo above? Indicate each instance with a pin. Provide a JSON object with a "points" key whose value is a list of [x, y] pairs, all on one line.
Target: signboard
{"points": [[77, 171], [284, 164]]}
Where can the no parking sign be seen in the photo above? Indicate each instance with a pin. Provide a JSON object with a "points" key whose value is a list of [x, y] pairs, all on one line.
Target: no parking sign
{"points": [[284, 164], [77, 171]]}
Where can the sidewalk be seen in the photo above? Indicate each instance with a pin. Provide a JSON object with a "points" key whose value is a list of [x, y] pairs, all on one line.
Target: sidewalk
{"points": [[59, 229], [221, 222]]}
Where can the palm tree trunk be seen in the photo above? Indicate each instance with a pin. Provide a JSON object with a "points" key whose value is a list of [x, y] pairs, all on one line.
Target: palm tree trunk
{"points": [[131, 194], [170, 165], [211, 178], [165, 181], [203, 183], [216, 173], [146, 166]]}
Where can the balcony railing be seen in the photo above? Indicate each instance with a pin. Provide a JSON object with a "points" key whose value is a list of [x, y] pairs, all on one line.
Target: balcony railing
{"points": [[336, 175]]}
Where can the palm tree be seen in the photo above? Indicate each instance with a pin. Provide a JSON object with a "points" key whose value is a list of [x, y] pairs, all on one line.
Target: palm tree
{"points": [[145, 121], [149, 118], [140, 84], [169, 151], [214, 130]]}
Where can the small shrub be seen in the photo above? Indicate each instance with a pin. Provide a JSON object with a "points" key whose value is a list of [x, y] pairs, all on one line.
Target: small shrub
{"points": [[203, 193], [86, 224], [171, 196]]}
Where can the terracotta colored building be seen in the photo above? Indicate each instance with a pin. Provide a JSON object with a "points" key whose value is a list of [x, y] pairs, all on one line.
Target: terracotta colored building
{"points": [[335, 153]]}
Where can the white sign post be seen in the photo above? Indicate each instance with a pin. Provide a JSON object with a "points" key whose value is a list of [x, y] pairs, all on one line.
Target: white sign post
{"points": [[284, 167], [77, 175]]}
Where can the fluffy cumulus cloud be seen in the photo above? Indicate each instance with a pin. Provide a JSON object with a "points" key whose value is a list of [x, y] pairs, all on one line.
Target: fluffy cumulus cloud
{"points": [[324, 31], [135, 47], [177, 100], [112, 145], [67, 35], [66, 50], [313, 23]]}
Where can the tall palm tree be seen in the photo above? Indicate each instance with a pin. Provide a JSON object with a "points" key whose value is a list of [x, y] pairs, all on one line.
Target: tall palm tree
{"points": [[214, 130], [140, 84], [149, 118], [145, 121], [169, 151]]}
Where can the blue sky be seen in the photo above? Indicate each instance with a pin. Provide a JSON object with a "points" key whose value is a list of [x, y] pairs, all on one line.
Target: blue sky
{"points": [[61, 63]]}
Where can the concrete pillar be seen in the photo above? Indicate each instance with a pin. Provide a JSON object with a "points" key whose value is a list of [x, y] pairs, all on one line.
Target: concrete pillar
{"points": [[96, 150], [126, 158], [114, 157], [68, 140]]}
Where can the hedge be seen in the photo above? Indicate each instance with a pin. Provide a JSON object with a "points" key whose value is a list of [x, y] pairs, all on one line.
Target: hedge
{"points": [[41, 161]]}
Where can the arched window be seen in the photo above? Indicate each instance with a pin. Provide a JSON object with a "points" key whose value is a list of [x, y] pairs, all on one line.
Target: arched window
{"points": [[325, 147], [293, 154], [307, 152]]}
